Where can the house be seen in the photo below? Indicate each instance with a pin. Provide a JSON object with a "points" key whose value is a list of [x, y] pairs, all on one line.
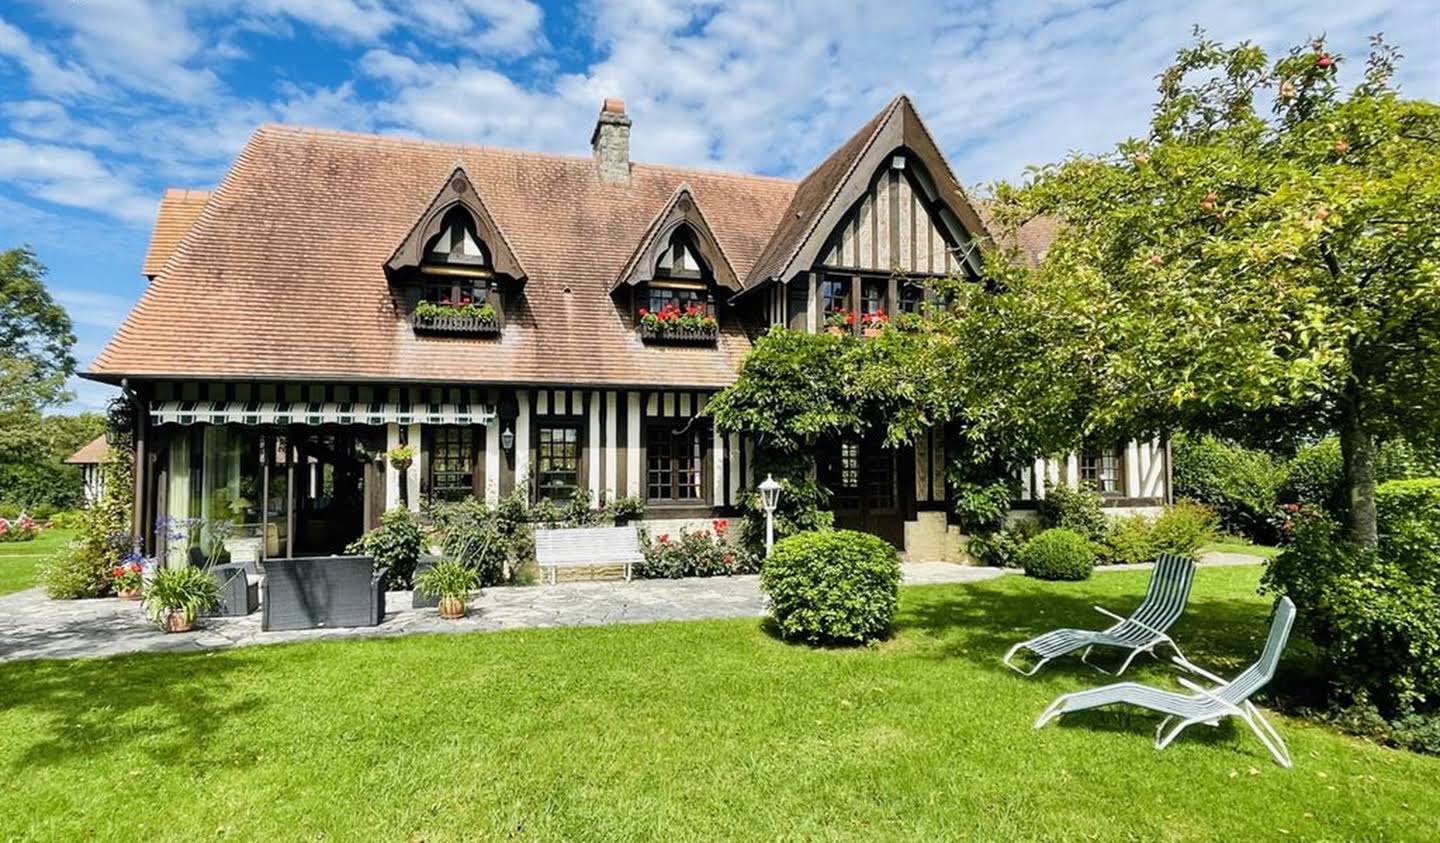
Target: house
{"points": [[89, 458], [340, 295]]}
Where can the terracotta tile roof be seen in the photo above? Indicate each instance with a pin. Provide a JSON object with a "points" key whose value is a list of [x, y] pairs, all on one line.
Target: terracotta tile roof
{"points": [[93, 452], [178, 210], [280, 276], [810, 198]]}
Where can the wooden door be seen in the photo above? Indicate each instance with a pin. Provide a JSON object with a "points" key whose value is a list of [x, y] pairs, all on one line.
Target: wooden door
{"points": [[861, 475]]}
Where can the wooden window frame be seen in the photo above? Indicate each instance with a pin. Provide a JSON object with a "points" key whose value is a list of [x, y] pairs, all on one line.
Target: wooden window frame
{"points": [[543, 424], [671, 429], [471, 451], [1091, 466]]}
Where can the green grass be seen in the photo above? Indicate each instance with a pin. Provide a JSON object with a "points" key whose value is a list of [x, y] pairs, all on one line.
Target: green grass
{"points": [[18, 560], [1239, 546], [694, 731]]}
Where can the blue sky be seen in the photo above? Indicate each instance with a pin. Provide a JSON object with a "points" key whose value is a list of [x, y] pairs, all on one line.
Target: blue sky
{"points": [[104, 103]]}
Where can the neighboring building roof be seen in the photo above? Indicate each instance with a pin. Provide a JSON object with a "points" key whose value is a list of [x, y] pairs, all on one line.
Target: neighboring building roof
{"points": [[1033, 238], [282, 277], [178, 211], [93, 452]]}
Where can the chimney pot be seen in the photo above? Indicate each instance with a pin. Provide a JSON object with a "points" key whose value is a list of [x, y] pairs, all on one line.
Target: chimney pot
{"points": [[610, 142]]}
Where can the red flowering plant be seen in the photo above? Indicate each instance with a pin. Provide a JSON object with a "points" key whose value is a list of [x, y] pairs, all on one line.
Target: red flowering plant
{"points": [[876, 319], [22, 529], [697, 553], [693, 317], [841, 318], [128, 578]]}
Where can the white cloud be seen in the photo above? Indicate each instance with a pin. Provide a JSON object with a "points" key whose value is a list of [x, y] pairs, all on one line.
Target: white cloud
{"points": [[47, 74], [74, 177]]}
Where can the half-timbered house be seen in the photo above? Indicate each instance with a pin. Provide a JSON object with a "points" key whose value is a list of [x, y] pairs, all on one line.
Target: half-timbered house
{"points": [[339, 295]]}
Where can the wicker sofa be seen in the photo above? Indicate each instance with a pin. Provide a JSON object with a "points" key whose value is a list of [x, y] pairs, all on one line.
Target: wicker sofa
{"points": [[322, 591]]}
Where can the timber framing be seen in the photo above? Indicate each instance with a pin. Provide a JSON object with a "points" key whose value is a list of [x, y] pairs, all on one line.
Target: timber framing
{"points": [[458, 190], [682, 209]]}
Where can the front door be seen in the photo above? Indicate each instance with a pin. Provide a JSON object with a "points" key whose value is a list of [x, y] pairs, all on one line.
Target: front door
{"points": [[861, 474]]}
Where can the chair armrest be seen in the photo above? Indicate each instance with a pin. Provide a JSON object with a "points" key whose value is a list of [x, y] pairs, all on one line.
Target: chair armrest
{"points": [[1142, 625], [379, 576], [1198, 671]]}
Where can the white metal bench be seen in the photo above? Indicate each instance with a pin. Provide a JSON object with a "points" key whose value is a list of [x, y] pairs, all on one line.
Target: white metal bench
{"points": [[586, 546]]}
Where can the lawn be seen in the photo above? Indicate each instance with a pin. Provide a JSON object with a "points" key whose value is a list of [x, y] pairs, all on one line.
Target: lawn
{"points": [[681, 731], [18, 560], [1239, 546]]}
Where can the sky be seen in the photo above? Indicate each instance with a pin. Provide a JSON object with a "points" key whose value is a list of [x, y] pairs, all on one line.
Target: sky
{"points": [[105, 103]]}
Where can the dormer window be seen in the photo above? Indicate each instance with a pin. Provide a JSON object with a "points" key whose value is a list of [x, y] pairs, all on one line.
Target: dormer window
{"points": [[677, 305]]}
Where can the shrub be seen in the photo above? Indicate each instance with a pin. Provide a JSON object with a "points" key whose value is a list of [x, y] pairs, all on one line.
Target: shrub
{"points": [[1129, 541], [1316, 476], [21, 529], [1001, 548], [1183, 528], [76, 572], [1408, 516], [1058, 554], [1079, 510], [1376, 619], [701, 553], [68, 519], [1241, 484], [834, 586], [395, 544]]}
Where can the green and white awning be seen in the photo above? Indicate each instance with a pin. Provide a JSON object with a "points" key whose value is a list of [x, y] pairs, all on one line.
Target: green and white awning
{"points": [[318, 412]]}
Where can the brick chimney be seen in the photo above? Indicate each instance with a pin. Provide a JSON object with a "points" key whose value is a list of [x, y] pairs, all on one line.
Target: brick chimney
{"points": [[611, 142]]}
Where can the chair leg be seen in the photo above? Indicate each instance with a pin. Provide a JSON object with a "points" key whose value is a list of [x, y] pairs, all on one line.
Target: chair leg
{"points": [[1010, 664], [1133, 653], [1162, 742], [1267, 735], [1051, 711]]}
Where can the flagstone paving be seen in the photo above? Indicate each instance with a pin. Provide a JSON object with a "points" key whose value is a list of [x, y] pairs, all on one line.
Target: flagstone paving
{"points": [[33, 626]]}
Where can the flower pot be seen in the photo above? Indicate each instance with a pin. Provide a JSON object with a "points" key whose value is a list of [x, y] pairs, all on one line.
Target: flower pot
{"points": [[870, 332], [400, 465], [835, 330], [179, 622], [128, 594], [451, 608]]}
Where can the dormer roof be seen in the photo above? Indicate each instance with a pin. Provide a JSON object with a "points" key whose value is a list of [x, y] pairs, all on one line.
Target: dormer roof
{"points": [[680, 210]]}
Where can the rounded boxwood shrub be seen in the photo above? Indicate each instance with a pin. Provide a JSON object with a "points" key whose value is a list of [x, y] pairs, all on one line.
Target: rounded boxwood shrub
{"points": [[836, 586], [1058, 554]]}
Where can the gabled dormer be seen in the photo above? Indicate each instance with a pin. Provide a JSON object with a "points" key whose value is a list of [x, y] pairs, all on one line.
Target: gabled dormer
{"points": [[868, 229], [455, 267], [677, 275]]}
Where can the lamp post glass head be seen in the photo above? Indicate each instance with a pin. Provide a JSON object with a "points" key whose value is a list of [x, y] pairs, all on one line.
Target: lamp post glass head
{"points": [[507, 439], [770, 493]]}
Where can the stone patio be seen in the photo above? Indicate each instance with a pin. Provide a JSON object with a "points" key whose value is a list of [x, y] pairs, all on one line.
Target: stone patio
{"points": [[33, 626]]}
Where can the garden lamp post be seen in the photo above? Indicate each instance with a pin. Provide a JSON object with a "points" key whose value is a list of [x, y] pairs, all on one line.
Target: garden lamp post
{"points": [[769, 498]]}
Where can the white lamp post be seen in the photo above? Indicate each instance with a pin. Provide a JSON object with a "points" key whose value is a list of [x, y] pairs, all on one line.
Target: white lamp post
{"points": [[769, 498]]}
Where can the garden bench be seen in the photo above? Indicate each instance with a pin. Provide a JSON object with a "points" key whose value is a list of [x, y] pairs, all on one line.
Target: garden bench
{"points": [[586, 546]]}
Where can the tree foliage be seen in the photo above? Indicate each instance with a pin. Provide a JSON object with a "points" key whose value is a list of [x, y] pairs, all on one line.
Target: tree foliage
{"points": [[1234, 270], [35, 335]]}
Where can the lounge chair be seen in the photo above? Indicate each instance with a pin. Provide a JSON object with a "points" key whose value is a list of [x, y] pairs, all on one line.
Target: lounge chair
{"points": [[1226, 699], [1142, 632]]}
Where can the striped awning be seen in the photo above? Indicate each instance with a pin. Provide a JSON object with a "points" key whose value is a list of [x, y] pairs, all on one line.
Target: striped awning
{"points": [[318, 412]]}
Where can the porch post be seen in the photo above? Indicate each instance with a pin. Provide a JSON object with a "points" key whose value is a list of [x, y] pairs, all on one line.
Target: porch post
{"points": [[392, 477], [412, 474]]}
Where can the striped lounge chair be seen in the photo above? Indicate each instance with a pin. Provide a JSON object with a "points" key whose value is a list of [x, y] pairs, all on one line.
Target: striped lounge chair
{"points": [[1142, 632], [1202, 705]]}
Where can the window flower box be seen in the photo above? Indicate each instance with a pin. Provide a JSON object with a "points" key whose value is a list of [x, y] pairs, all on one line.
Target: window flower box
{"points": [[673, 325], [447, 318]]}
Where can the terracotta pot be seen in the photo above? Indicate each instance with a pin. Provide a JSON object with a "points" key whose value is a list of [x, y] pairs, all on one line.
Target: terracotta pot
{"points": [[451, 608], [178, 622], [870, 332], [835, 330], [128, 594]]}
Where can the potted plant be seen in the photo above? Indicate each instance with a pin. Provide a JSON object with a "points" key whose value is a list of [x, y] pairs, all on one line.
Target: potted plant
{"points": [[465, 315], [840, 323], [451, 581], [401, 456], [179, 595], [128, 578], [873, 323]]}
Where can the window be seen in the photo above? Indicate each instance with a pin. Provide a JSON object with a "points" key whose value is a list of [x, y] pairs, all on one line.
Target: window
{"points": [[558, 470], [657, 298], [452, 463], [872, 296], [459, 291], [1100, 470], [457, 243], [834, 295], [679, 260], [911, 295], [675, 462]]}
